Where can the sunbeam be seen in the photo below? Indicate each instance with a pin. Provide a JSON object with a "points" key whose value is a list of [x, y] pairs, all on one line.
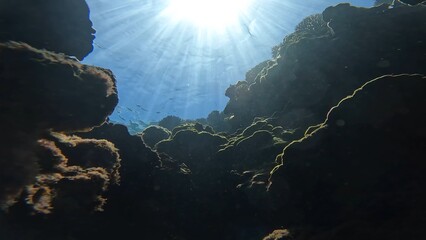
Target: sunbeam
{"points": [[216, 14], [178, 57]]}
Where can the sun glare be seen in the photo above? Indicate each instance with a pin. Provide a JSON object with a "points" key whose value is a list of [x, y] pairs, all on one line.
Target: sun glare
{"points": [[218, 14]]}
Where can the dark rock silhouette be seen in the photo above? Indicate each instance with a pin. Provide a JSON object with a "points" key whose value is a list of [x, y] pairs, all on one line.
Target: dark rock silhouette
{"points": [[153, 191], [82, 98], [61, 26], [138, 159], [276, 158], [170, 122], [362, 167], [314, 71], [44, 91], [154, 134]]}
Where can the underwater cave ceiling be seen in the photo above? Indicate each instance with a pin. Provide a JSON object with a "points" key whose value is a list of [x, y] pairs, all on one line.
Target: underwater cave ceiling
{"points": [[326, 140]]}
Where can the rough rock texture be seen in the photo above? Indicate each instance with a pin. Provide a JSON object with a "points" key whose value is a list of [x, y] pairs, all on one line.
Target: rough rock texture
{"points": [[217, 121], [18, 163], [359, 174], [356, 175], [153, 190], [57, 25], [229, 176], [195, 148], [138, 160], [280, 234], [44, 91], [255, 147], [154, 134], [150, 202], [315, 69], [74, 174]]}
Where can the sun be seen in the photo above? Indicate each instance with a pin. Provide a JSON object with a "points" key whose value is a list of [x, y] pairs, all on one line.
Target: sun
{"points": [[215, 14]]}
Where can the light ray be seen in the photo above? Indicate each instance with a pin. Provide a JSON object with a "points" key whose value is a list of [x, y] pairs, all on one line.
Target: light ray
{"points": [[187, 50], [211, 14]]}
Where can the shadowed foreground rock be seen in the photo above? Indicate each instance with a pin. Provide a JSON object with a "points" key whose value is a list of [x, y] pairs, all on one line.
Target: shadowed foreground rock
{"points": [[74, 174], [42, 89], [41, 92], [61, 26], [360, 174]]}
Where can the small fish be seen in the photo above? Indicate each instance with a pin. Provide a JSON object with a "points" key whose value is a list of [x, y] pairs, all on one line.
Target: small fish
{"points": [[247, 27], [143, 109], [99, 46], [129, 109]]}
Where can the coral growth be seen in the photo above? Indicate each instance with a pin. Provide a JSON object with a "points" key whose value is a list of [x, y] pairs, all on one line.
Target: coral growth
{"points": [[363, 163], [154, 134], [314, 71], [319, 140], [44, 91]]}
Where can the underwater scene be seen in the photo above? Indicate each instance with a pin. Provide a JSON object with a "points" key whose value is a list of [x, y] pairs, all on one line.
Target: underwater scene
{"points": [[213, 119]]}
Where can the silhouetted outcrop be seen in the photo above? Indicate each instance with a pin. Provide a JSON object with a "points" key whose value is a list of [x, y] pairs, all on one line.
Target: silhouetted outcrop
{"points": [[154, 134], [43, 91], [323, 61], [61, 26], [170, 122], [295, 148], [362, 167]]}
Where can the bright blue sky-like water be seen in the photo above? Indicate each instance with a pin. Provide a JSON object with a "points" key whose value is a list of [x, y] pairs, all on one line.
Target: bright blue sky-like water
{"points": [[172, 59]]}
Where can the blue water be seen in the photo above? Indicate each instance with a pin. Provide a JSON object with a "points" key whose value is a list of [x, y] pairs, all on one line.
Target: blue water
{"points": [[164, 67]]}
